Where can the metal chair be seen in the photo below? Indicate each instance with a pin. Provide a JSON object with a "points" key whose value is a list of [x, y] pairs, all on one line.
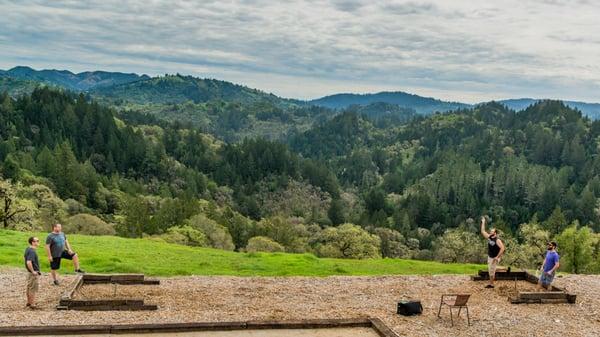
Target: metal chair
{"points": [[455, 301]]}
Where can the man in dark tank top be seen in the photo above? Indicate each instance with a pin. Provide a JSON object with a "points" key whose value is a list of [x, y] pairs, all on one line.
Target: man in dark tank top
{"points": [[495, 250]]}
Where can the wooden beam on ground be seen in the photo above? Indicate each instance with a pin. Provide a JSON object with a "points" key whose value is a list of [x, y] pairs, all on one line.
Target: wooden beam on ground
{"points": [[374, 323], [500, 276], [89, 278], [115, 302], [546, 297], [127, 278], [73, 287], [382, 329], [124, 279], [145, 307], [542, 295], [531, 278], [308, 324]]}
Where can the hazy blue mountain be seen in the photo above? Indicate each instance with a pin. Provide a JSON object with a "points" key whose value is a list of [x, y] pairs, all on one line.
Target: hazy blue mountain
{"points": [[422, 105], [591, 110], [78, 82]]}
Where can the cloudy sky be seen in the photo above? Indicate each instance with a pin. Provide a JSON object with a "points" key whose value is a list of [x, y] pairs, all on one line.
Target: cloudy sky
{"points": [[467, 50]]}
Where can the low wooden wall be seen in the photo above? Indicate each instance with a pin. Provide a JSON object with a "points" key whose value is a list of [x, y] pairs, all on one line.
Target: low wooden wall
{"points": [[375, 323], [67, 301], [555, 295]]}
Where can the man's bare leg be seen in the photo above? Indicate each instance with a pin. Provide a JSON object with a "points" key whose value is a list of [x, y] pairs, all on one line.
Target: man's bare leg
{"points": [[76, 262], [30, 298]]}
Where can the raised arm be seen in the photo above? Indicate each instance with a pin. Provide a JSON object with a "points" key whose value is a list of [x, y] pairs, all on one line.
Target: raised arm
{"points": [[483, 232]]}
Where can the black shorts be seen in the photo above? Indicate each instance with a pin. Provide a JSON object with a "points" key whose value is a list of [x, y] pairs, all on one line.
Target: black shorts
{"points": [[55, 264]]}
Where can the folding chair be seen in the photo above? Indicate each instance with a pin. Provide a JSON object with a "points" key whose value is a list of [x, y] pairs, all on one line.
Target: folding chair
{"points": [[455, 301]]}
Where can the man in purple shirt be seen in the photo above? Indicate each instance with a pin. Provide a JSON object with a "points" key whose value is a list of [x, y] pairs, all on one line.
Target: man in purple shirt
{"points": [[551, 264]]}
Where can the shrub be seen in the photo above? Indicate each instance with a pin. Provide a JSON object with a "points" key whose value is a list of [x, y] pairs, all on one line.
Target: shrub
{"points": [[347, 241], [185, 235], [88, 224], [263, 244], [217, 236], [392, 243]]}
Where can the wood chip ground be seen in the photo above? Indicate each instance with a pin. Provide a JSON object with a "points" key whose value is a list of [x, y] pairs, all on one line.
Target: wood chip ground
{"points": [[219, 298]]}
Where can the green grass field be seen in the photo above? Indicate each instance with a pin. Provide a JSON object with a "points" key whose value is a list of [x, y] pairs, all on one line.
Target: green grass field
{"points": [[109, 254]]}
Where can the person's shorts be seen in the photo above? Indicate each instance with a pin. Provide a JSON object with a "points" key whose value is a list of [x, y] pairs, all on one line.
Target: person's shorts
{"points": [[33, 283], [55, 264], [492, 265], [546, 279]]}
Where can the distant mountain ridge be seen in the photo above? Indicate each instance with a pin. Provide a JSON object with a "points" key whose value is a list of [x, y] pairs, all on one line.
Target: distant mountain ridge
{"points": [[591, 110], [79, 82], [422, 105], [142, 89], [171, 89]]}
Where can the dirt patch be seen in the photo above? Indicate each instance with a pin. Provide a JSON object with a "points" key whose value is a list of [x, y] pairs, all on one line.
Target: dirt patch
{"points": [[114, 291], [217, 298], [512, 288]]}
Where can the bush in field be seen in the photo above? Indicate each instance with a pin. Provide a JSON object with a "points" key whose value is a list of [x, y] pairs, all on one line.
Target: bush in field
{"points": [[530, 253], [291, 235], [74, 207], [240, 227], [184, 235], [576, 248], [460, 246], [263, 244], [347, 241], [393, 243], [87, 224], [217, 236]]}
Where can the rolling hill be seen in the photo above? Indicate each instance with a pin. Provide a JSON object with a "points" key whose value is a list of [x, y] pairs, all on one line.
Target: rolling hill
{"points": [[109, 254], [591, 110], [422, 105], [77, 82], [174, 89]]}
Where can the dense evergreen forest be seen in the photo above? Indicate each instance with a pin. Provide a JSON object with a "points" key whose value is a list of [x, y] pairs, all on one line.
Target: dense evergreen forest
{"points": [[373, 180]]}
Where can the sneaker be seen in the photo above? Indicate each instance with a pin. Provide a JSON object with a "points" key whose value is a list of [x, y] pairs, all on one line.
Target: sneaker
{"points": [[31, 306], [80, 271], [489, 286], [56, 283]]}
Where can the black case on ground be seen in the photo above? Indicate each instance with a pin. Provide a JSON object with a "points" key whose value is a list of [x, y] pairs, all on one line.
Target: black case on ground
{"points": [[409, 308]]}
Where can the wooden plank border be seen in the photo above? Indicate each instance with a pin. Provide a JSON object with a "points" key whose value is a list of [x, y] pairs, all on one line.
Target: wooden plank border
{"points": [[73, 287], [375, 323], [67, 301], [125, 279]]}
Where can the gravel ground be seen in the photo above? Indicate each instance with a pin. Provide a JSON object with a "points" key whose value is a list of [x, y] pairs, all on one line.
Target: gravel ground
{"points": [[216, 298]]}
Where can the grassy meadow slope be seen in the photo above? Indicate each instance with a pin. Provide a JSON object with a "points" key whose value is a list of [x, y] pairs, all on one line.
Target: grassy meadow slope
{"points": [[108, 254]]}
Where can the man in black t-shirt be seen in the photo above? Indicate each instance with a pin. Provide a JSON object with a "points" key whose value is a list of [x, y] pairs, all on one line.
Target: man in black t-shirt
{"points": [[32, 265], [495, 250]]}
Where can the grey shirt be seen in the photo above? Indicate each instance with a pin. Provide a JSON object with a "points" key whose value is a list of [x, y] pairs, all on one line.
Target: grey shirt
{"points": [[57, 243], [31, 255]]}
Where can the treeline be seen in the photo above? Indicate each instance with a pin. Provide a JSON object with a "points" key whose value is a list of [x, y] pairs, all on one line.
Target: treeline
{"points": [[82, 152], [449, 167]]}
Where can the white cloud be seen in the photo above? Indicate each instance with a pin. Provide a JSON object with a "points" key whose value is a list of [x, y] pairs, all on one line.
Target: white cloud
{"points": [[458, 50]]}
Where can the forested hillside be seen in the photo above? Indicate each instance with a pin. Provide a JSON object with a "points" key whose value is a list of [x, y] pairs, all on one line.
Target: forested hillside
{"points": [[369, 181], [66, 79]]}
